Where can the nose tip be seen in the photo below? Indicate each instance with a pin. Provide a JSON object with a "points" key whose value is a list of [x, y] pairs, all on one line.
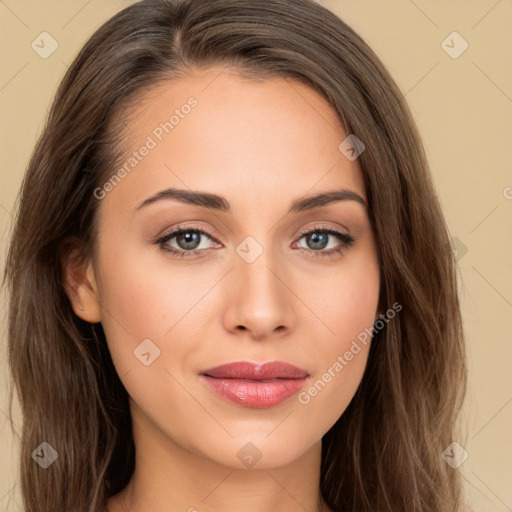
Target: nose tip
{"points": [[259, 301]]}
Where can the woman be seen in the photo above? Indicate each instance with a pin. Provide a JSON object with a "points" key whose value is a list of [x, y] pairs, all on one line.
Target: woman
{"points": [[231, 281]]}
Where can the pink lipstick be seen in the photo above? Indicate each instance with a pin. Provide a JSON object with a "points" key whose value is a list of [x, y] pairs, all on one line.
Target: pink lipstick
{"points": [[255, 385]]}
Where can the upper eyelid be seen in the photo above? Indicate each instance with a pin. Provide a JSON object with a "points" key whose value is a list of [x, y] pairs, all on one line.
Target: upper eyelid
{"points": [[174, 231]]}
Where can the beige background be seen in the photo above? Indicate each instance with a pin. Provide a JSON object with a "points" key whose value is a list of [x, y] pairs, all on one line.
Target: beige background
{"points": [[463, 107]]}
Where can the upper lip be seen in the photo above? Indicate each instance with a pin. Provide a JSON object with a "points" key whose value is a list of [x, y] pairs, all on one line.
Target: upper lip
{"points": [[255, 371]]}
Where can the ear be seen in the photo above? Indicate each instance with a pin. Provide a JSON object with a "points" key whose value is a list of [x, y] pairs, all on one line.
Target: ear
{"points": [[80, 282]]}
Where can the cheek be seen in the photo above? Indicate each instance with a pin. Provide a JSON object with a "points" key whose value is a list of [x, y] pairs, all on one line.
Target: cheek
{"points": [[137, 303], [145, 298], [353, 307], [347, 310], [341, 353], [345, 301]]}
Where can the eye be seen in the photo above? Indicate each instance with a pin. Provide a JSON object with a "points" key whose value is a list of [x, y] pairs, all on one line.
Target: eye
{"points": [[186, 241], [317, 239]]}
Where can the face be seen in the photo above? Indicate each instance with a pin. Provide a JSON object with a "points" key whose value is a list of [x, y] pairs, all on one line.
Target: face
{"points": [[249, 279]]}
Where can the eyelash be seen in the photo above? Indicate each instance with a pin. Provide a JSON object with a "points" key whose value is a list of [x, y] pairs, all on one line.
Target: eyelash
{"points": [[346, 239]]}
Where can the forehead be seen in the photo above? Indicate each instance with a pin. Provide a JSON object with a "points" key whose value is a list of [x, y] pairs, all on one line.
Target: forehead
{"points": [[216, 131]]}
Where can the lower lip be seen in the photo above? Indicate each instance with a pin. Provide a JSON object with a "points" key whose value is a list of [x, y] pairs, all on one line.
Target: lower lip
{"points": [[252, 393]]}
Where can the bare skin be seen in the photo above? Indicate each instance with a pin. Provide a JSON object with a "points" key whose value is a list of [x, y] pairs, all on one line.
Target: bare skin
{"points": [[260, 145]]}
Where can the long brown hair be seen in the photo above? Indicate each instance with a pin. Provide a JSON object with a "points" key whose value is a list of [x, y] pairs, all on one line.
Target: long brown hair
{"points": [[384, 452]]}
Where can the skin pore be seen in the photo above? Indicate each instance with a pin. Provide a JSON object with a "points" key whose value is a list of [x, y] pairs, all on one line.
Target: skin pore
{"points": [[260, 145]]}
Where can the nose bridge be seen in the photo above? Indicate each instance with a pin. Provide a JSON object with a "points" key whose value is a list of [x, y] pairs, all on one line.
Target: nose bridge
{"points": [[255, 266]]}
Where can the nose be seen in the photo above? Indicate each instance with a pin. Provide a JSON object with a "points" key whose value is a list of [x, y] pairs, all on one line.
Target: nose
{"points": [[259, 300]]}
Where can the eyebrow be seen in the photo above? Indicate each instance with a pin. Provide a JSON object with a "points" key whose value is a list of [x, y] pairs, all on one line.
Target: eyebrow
{"points": [[220, 203]]}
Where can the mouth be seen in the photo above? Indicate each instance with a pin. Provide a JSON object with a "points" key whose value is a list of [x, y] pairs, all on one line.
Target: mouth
{"points": [[255, 385]]}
